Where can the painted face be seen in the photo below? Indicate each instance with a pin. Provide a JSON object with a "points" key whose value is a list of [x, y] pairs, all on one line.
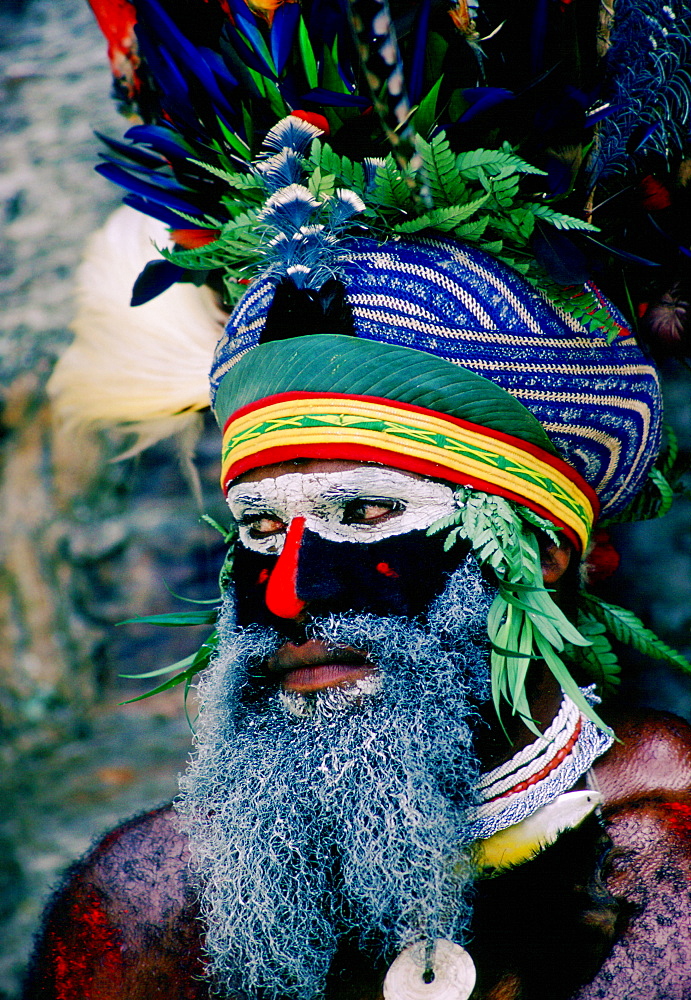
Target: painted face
{"points": [[328, 539]]}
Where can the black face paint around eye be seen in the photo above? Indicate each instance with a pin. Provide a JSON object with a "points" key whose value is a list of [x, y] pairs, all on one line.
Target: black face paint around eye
{"points": [[397, 576]]}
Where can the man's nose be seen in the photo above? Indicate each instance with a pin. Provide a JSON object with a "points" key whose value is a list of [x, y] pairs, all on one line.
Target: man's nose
{"points": [[281, 590], [313, 574]]}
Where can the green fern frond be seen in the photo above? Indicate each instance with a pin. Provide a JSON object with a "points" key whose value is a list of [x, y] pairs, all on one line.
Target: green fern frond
{"points": [[627, 628], [348, 173], [247, 182], [444, 219], [441, 173], [523, 623], [391, 189], [580, 303], [558, 219], [493, 161], [598, 660]]}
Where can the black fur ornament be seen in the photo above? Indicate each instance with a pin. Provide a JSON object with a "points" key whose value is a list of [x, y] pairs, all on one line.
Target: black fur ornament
{"points": [[298, 311]]}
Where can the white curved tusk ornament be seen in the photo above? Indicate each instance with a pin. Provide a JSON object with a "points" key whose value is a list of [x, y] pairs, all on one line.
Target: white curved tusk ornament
{"points": [[452, 967]]}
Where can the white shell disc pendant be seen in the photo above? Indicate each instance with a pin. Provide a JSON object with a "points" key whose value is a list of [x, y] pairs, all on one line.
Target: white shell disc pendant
{"points": [[452, 976]]}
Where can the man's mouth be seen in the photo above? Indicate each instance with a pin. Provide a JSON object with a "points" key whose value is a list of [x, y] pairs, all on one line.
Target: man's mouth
{"points": [[314, 665]]}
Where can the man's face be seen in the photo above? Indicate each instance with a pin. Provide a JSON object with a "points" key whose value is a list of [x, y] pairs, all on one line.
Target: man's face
{"points": [[327, 801], [326, 537]]}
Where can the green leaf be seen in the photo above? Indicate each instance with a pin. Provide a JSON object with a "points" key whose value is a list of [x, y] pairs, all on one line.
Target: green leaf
{"points": [[567, 683], [391, 189], [627, 628], [309, 63], [229, 534], [234, 141], [444, 522], [240, 181], [445, 219], [666, 491], [477, 163], [331, 78], [598, 660], [441, 174], [348, 173], [558, 219], [175, 618], [180, 666], [321, 185], [472, 231], [166, 686], [424, 116], [671, 452]]}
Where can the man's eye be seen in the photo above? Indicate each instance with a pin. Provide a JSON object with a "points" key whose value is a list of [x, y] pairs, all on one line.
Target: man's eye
{"points": [[370, 511], [262, 525]]}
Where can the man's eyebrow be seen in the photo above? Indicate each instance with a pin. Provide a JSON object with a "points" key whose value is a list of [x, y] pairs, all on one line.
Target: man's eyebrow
{"points": [[248, 498]]}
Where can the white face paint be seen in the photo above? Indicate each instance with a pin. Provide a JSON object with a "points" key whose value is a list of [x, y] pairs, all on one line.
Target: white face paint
{"points": [[359, 505]]}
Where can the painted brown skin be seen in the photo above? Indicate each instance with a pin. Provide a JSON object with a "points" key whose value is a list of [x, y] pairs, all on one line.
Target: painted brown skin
{"points": [[125, 924]]}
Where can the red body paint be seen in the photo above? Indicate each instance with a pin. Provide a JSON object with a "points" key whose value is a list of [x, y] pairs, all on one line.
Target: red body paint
{"points": [[281, 591]]}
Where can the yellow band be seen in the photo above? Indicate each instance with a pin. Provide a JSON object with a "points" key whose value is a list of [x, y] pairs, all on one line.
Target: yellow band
{"points": [[421, 435]]}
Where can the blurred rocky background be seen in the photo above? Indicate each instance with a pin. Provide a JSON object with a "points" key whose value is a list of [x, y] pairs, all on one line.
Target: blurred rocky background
{"points": [[86, 542]]}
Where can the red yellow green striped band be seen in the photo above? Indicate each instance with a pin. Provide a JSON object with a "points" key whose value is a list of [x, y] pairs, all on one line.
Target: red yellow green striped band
{"points": [[413, 439]]}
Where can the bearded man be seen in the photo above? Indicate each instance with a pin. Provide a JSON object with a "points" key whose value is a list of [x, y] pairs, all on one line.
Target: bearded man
{"points": [[402, 785], [354, 796]]}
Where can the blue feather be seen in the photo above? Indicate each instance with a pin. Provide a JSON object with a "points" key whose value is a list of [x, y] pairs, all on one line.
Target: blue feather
{"points": [[160, 181], [163, 30], [154, 279], [139, 156], [343, 206], [245, 28], [182, 55], [289, 208], [160, 138], [281, 170], [291, 132], [481, 99], [285, 23], [640, 136], [150, 191], [538, 35], [156, 211], [246, 54], [417, 70], [651, 87], [331, 98], [632, 258]]}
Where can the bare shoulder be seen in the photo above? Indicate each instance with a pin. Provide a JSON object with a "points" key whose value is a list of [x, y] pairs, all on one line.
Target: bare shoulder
{"points": [[144, 862], [124, 921], [646, 783], [651, 759]]}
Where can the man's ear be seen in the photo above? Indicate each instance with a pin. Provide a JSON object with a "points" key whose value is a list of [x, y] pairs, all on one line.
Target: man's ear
{"points": [[555, 560]]}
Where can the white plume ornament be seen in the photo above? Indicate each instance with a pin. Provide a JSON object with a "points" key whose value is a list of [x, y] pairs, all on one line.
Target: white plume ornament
{"points": [[289, 208], [291, 132], [142, 369]]}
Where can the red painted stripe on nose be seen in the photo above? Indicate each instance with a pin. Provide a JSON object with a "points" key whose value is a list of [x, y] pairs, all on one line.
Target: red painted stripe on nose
{"points": [[281, 590]]}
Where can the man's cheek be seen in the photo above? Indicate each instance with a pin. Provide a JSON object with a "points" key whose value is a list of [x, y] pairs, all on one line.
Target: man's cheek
{"points": [[397, 576]]}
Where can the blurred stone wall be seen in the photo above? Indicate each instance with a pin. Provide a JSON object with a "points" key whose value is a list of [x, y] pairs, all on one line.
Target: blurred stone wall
{"points": [[85, 543]]}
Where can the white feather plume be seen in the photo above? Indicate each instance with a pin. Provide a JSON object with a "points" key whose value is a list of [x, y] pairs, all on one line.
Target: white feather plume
{"points": [[143, 369]]}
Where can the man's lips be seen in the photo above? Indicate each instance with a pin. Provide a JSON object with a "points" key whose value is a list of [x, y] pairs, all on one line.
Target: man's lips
{"points": [[315, 665]]}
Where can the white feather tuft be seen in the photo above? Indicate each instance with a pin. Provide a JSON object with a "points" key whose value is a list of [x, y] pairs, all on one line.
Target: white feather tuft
{"points": [[295, 133], [143, 369]]}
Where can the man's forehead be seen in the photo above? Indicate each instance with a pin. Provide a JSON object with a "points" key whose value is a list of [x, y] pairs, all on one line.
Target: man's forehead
{"points": [[312, 479]]}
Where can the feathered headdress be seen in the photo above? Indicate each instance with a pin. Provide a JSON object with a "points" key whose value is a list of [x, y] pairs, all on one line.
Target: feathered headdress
{"points": [[436, 193]]}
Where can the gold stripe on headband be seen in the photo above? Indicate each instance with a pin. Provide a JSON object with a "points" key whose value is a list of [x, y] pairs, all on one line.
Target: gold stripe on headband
{"points": [[417, 434]]}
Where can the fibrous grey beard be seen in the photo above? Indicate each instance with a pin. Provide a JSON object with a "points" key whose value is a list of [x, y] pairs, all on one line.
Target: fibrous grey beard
{"points": [[345, 823]]}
